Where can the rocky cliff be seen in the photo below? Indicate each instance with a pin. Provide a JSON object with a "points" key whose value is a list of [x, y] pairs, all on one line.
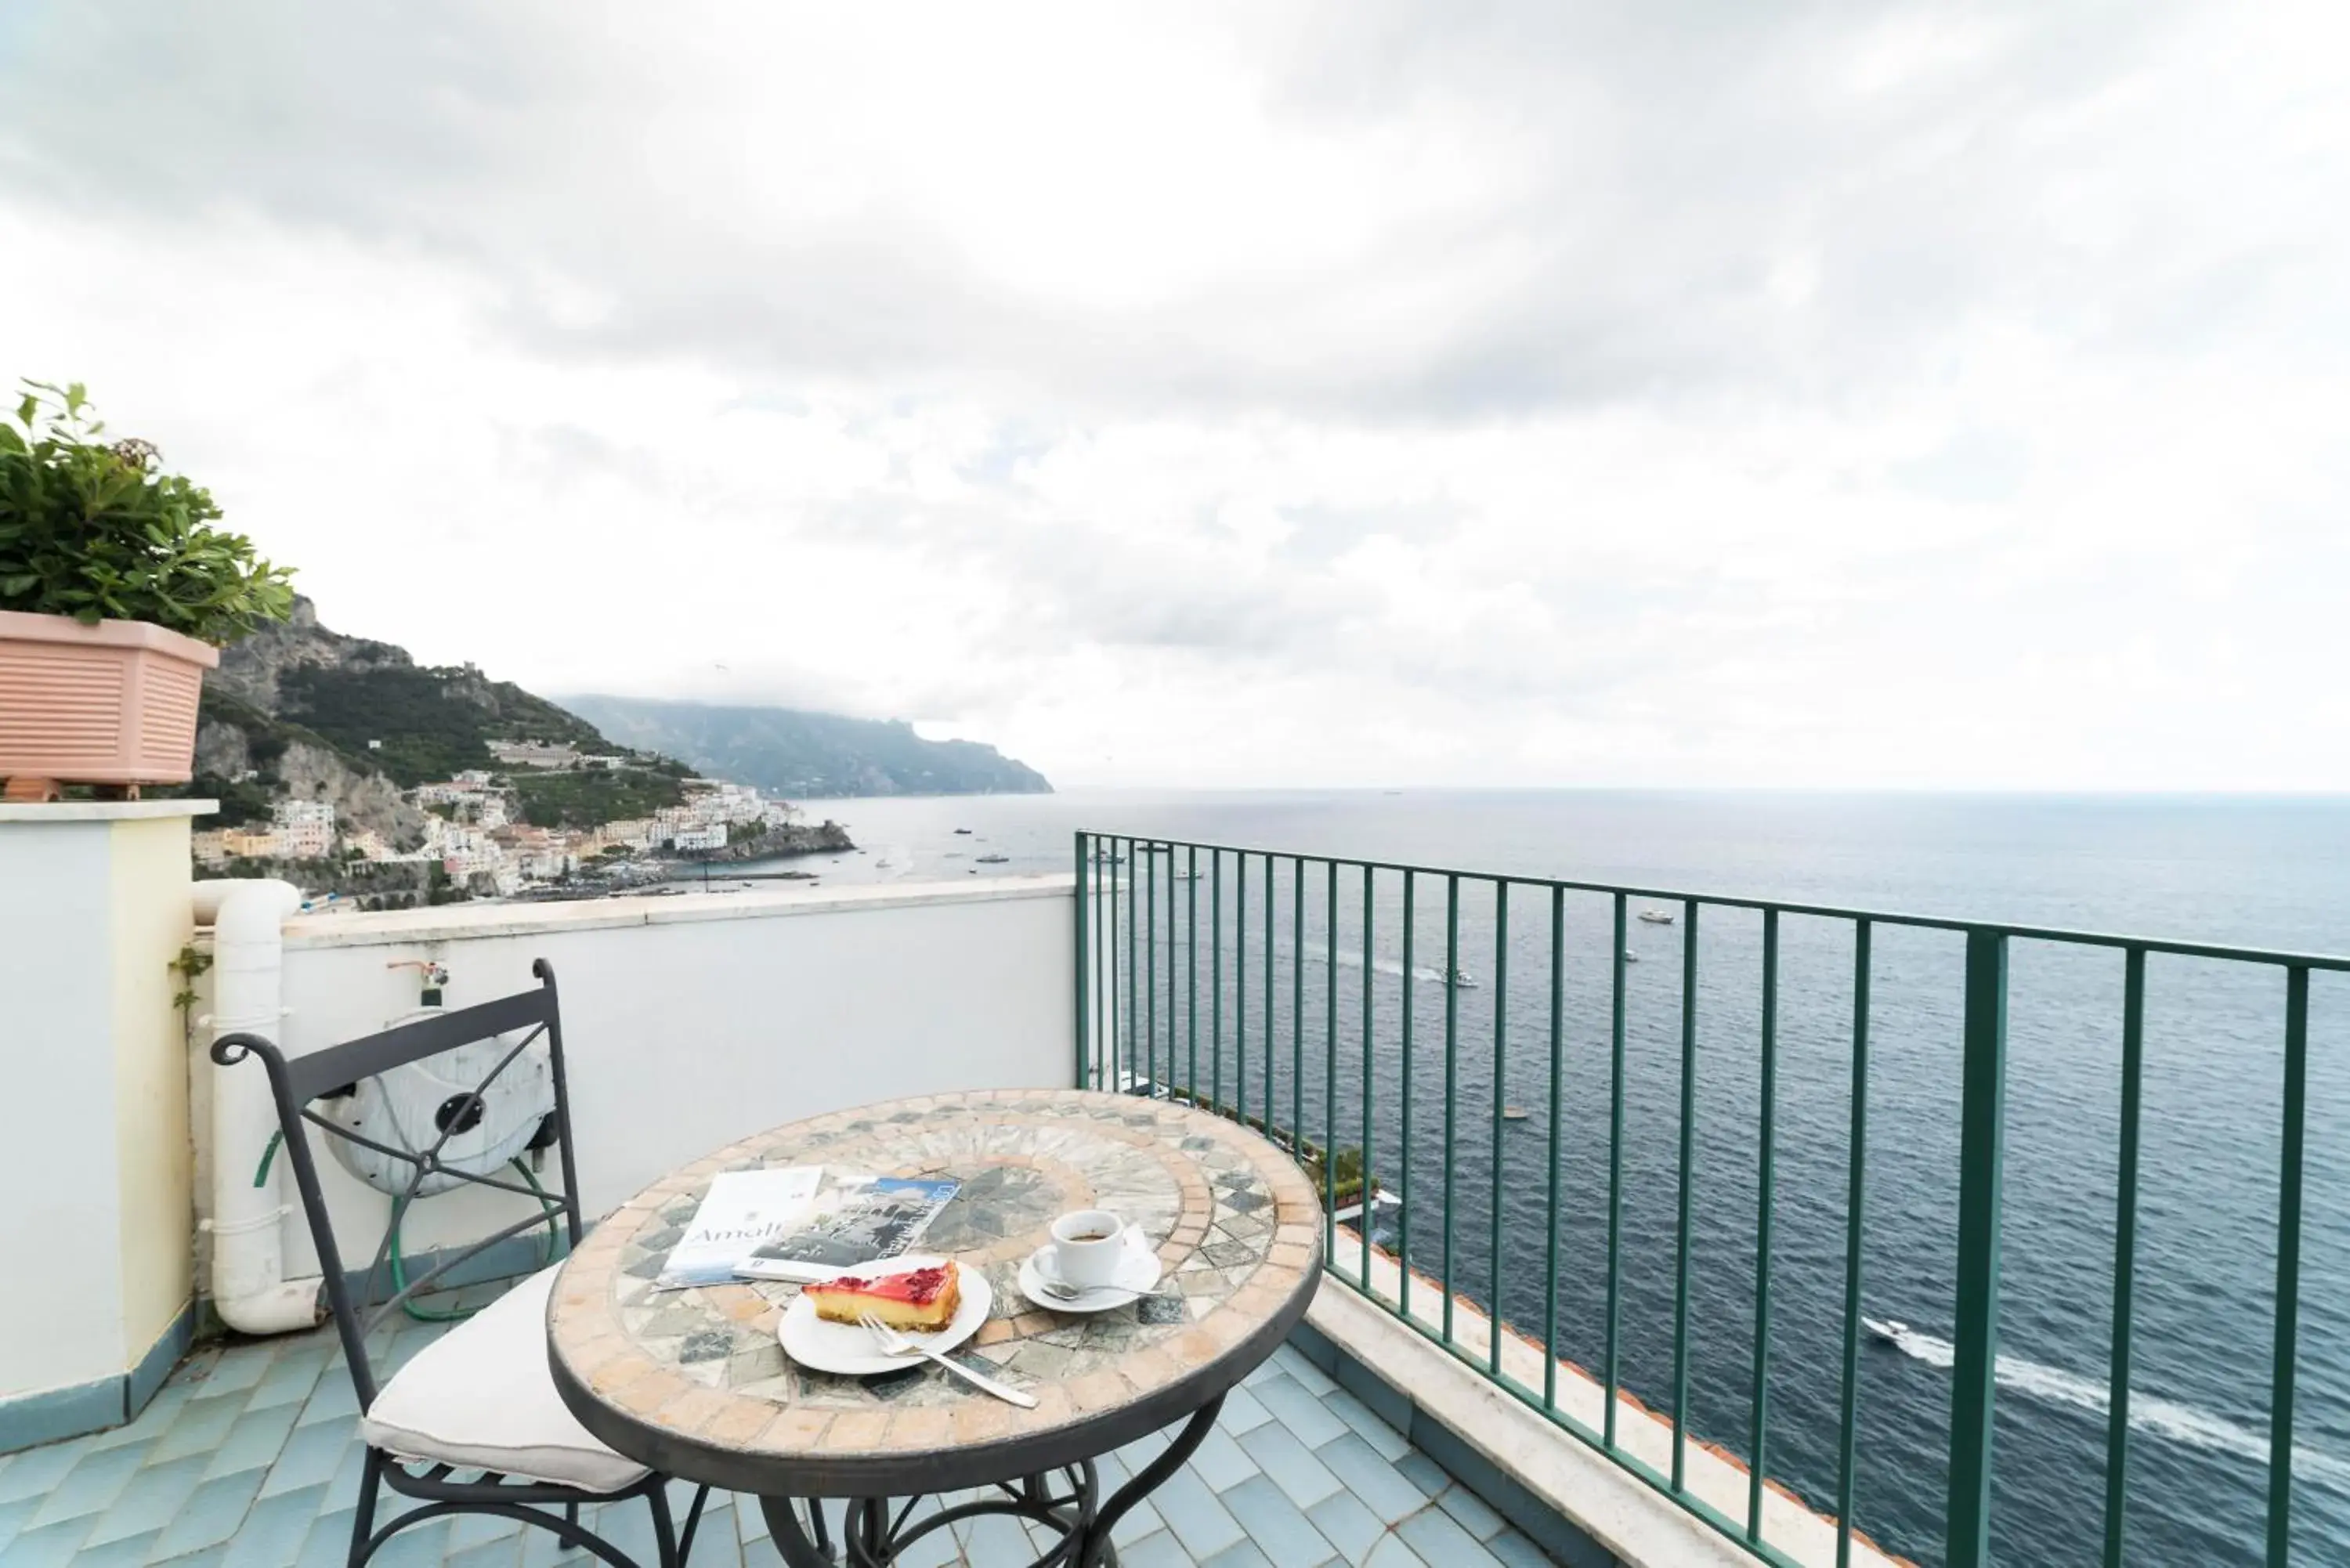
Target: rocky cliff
{"points": [[370, 700], [774, 844], [245, 760], [252, 670], [301, 711]]}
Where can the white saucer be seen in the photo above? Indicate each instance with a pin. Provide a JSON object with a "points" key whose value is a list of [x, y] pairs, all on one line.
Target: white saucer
{"points": [[1138, 1273], [847, 1349]]}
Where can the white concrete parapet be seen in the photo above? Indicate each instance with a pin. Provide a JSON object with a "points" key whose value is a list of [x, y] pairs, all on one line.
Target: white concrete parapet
{"points": [[691, 1020]]}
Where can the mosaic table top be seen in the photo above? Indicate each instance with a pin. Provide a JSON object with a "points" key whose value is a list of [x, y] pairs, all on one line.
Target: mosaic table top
{"points": [[694, 1383]]}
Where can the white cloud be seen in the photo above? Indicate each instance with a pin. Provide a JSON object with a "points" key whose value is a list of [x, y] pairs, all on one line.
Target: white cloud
{"points": [[1937, 396]]}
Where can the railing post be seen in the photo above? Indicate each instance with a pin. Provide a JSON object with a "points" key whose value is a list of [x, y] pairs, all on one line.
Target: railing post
{"points": [[2117, 1401], [1081, 997], [1981, 1117], [1681, 1227], [1856, 1199], [2288, 1285]]}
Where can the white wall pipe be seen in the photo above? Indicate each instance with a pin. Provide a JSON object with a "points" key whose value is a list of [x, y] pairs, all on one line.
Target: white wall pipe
{"points": [[249, 1287]]}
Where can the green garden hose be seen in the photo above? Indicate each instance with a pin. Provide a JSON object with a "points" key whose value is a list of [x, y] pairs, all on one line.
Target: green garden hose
{"points": [[553, 1211]]}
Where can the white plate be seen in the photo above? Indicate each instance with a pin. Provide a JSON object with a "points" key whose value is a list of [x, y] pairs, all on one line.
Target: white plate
{"points": [[847, 1349], [1138, 1274]]}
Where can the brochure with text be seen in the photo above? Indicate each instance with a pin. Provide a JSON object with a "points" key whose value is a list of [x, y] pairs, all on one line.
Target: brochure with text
{"points": [[859, 1222], [742, 1209]]}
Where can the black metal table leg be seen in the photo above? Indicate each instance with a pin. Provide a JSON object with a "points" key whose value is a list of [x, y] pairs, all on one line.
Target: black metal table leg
{"points": [[872, 1538], [783, 1516], [1096, 1551]]}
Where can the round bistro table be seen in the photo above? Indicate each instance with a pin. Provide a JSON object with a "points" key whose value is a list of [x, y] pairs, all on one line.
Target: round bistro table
{"points": [[694, 1383]]}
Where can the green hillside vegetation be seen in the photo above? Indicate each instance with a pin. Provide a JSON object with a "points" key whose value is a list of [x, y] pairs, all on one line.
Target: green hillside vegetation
{"points": [[243, 801], [590, 797], [266, 737], [790, 752], [430, 723], [393, 724]]}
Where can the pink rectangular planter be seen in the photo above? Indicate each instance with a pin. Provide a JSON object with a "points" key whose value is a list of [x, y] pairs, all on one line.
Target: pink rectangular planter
{"points": [[113, 703]]}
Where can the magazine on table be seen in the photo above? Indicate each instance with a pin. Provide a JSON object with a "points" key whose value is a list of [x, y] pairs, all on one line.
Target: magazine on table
{"points": [[861, 1221], [742, 1209]]}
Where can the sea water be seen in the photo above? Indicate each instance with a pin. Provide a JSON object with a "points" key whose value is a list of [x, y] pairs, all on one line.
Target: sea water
{"points": [[2265, 872]]}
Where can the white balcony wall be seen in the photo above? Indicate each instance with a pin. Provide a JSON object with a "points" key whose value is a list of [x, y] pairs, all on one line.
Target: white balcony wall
{"points": [[94, 909], [692, 1021]]}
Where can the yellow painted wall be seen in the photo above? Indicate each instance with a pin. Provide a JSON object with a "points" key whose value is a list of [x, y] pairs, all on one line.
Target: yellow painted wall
{"points": [[152, 921]]}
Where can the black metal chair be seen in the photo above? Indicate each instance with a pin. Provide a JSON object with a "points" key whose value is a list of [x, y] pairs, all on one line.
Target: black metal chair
{"points": [[472, 1424]]}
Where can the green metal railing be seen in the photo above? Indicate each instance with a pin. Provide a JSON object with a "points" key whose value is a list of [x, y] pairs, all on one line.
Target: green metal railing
{"points": [[1126, 1041]]}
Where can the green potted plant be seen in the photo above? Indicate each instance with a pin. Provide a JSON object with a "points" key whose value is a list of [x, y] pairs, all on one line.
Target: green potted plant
{"points": [[115, 595]]}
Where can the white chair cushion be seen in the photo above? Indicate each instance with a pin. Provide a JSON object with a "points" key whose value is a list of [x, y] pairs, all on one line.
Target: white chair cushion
{"points": [[481, 1398]]}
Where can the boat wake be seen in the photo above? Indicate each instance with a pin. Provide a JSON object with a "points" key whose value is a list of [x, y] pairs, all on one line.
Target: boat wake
{"points": [[1381, 964], [1347, 959], [2167, 1418]]}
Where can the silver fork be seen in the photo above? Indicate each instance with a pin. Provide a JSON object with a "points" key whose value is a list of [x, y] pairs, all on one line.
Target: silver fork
{"points": [[892, 1343]]}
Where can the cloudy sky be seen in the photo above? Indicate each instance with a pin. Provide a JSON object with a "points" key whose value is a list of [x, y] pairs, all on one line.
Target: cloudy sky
{"points": [[1485, 393]]}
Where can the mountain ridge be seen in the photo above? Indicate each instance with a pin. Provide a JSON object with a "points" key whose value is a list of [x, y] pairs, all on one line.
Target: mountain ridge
{"points": [[803, 754]]}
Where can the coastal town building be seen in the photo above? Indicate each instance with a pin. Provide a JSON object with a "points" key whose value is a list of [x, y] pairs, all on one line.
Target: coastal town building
{"points": [[249, 844], [306, 828], [368, 843], [539, 854], [299, 830], [557, 756], [631, 833], [472, 829], [462, 850], [470, 797]]}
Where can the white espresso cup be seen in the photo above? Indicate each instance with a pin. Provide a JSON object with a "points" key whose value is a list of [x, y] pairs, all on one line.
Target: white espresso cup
{"points": [[1087, 1247]]}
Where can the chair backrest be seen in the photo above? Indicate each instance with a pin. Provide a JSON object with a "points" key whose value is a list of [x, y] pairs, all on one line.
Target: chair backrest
{"points": [[296, 1082]]}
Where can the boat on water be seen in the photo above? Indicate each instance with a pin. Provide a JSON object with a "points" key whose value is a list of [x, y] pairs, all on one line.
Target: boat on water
{"points": [[1631, 957], [1186, 875], [964, 831], [1658, 917], [1513, 1112], [1460, 979], [994, 859], [1891, 1330]]}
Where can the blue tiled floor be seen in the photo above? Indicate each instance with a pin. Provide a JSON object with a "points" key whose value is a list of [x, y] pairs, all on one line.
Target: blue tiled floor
{"points": [[248, 1460]]}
